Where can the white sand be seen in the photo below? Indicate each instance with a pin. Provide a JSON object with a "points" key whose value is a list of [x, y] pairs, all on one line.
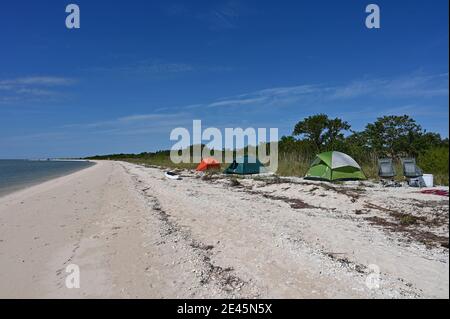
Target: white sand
{"points": [[134, 233]]}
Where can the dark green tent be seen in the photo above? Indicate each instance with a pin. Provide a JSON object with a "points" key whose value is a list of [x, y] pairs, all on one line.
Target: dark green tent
{"points": [[245, 165]]}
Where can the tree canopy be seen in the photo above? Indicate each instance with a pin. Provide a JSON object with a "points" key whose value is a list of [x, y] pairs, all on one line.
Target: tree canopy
{"points": [[321, 131], [392, 136]]}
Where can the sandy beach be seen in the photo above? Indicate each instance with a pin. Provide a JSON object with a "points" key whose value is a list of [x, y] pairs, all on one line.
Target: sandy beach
{"points": [[135, 234]]}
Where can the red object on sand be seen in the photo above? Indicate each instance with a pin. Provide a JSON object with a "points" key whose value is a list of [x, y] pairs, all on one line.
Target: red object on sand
{"points": [[208, 163], [439, 192]]}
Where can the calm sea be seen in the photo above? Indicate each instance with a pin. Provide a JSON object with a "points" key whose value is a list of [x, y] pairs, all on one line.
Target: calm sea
{"points": [[18, 174]]}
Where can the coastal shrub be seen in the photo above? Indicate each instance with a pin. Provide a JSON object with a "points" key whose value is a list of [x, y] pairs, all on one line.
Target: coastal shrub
{"points": [[391, 136], [435, 161]]}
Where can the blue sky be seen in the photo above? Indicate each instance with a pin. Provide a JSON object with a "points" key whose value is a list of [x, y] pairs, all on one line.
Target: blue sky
{"points": [[137, 69]]}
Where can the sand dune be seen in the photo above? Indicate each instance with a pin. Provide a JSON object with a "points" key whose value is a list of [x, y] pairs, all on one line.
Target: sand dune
{"points": [[135, 234]]}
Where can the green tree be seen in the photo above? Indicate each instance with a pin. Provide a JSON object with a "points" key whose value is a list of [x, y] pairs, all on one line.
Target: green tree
{"points": [[287, 144], [334, 135], [321, 131], [356, 146], [394, 136]]}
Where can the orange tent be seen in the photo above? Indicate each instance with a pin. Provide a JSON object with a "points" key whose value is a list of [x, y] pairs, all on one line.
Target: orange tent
{"points": [[208, 163]]}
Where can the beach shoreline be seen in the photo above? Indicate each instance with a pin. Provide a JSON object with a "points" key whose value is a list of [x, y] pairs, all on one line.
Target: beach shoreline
{"points": [[135, 234], [31, 181]]}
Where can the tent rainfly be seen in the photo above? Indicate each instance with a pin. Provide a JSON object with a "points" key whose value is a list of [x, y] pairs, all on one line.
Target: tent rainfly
{"points": [[208, 163], [334, 166]]}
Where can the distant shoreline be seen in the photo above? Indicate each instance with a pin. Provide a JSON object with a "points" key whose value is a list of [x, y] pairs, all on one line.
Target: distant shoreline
{"points": [[32, 175], [46, 159]]}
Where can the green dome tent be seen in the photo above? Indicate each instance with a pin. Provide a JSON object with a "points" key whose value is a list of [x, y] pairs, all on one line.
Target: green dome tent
{"points": [[245, 165], [334, 166]]}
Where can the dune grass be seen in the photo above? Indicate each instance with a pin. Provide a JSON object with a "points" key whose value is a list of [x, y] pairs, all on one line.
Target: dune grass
{"points": [[293, 164], [161, 162]]}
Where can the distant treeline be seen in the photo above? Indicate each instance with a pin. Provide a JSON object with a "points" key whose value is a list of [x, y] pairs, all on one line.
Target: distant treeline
{"points": [[389, 136], [129, 155]]}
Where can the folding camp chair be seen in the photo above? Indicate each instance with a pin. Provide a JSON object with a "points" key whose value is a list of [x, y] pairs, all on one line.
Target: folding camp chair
{"points": [[386, 168], [386, 172], [412, 172]]}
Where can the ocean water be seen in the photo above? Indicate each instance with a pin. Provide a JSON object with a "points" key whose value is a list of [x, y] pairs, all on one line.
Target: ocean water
{"points": [[18, 174]]}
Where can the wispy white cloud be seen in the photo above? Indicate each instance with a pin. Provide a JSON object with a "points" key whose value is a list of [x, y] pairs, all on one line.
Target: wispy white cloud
{"points": [[35, 92], [396, 96], [270, 97], [32, 87], [131, 125], [218, 16], [157, 68], [132, 121], [314, 94], [419, 86], [415, 85], [371, 113], [8, 99], [37, 80], [148, 117], [147, 67], [355, 89], [38, 136], [225, 16], [239, 102]]}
